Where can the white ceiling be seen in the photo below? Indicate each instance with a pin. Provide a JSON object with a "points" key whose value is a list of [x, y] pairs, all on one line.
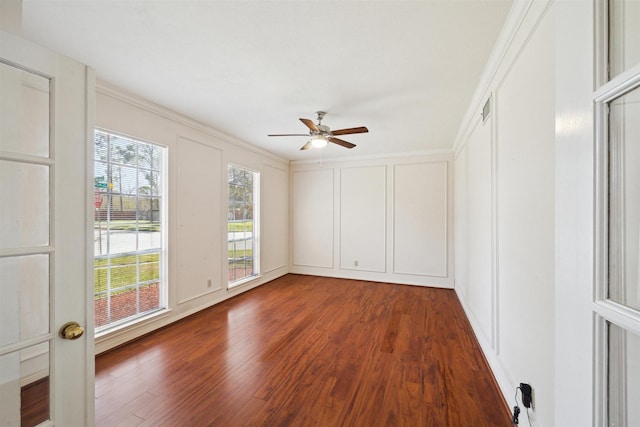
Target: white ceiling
{"points": [[405, 69]]}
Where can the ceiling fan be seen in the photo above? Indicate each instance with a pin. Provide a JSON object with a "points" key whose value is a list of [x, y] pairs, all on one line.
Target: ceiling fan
{"points": [[321, 135]]}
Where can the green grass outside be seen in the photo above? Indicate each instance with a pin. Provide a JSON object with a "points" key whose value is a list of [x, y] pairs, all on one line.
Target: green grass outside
{"points": [[240, 253], [123, 271], [128, 225], [239, 226]]}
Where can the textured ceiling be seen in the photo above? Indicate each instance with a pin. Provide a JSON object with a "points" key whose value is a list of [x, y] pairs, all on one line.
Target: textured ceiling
{"points": [[405, 69]]}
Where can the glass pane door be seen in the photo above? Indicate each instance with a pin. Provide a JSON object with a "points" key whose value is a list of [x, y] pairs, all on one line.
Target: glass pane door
{"points": [[26, 179]]}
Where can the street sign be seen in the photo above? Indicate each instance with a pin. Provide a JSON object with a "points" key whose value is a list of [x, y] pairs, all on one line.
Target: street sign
{"points": [[99, 182]]}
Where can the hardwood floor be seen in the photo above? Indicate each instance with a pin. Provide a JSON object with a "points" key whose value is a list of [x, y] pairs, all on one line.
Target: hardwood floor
{"points": [[34, 403], [307, 351]]}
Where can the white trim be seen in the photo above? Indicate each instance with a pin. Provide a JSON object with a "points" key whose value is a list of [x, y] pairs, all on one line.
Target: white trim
{"points": [[247, 279], [29, 342], [35, 250], [26, 158], [124, 326], [601, 186], [495, 230], [620, 85], [619, 314], [600, 372]]}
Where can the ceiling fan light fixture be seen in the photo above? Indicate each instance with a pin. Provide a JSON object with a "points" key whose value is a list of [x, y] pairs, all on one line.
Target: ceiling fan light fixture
{"points": [[319, 141], [321, 135]]}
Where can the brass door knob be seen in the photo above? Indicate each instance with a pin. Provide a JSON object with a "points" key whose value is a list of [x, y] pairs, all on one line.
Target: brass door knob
{"points": [[71, 331]]}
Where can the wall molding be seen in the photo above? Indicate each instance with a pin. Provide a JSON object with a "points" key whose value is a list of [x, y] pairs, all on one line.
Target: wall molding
{"points": [[388, 275], [522, 24], [372, 157]]}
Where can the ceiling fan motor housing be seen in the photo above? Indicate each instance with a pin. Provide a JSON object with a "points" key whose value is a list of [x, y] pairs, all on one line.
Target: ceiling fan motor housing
{"points": [[323, 130]]}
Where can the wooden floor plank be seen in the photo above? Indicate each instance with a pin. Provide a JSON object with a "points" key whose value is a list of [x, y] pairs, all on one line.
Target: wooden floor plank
{"points": [[307, 351]]}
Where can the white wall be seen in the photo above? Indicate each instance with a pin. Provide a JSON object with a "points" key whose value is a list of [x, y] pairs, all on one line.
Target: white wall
{"points": [[201, 209], [505, 268], [197, 178], [374, 219]]}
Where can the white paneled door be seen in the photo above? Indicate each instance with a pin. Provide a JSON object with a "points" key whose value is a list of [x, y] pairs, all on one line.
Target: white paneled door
{"points": [[46, 123]]}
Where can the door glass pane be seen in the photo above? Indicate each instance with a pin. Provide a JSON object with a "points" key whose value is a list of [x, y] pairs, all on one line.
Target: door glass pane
{"points": [[24, 386], [24, 211], [624, 195], [624, 35], [24, 112], [623, 392], [24, 297]]}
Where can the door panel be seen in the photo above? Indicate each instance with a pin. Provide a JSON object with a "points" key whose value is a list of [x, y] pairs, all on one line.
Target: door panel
{"points": [[25, 200], [46, 113]]}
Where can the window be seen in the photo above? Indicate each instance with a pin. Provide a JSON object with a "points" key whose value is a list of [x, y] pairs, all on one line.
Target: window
{"points": [[242, 225], [617, 301], [128, 229], [624, 199], [624, 36]]}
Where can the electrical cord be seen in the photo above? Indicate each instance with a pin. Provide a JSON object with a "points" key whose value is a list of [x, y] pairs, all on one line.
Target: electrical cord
{"points": [[516, 410]]}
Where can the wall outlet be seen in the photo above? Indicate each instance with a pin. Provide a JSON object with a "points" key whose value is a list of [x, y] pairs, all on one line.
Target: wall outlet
{"points": [[355, 263], [209, 284]]}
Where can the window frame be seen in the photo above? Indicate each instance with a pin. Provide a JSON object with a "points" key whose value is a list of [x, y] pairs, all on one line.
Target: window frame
{"points": [[163, 196], [256, 188]]}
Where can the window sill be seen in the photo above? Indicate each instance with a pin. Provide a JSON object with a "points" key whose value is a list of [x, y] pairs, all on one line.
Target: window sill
{"points": [[137, 322], [237, 284]]}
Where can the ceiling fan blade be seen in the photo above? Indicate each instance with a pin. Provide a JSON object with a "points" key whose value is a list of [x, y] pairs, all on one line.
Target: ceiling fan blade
{"points": [[308, 123], [289, 134], [345, 144], [360, 129], [306, 146]]}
